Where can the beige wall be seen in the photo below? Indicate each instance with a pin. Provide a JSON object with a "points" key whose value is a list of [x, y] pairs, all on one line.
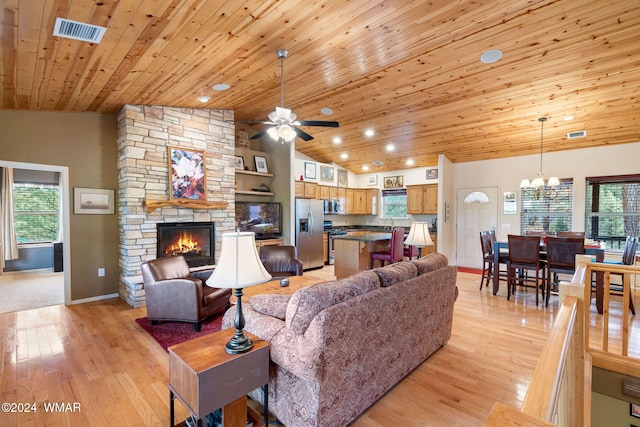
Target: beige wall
{"points": [[86, 144]]}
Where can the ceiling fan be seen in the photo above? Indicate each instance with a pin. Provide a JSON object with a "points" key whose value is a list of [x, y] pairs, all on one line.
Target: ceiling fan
{"points": [[283, 121]]}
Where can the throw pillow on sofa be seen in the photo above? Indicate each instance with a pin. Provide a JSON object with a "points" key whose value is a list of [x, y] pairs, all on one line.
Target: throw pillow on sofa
{"points": [[271, 304]]}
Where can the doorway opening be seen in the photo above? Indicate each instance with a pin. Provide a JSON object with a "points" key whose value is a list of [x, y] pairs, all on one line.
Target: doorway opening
{"points": [[30, 286]]}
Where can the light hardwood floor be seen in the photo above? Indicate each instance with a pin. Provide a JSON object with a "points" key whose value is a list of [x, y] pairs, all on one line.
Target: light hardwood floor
{"points": [[95, 355]]}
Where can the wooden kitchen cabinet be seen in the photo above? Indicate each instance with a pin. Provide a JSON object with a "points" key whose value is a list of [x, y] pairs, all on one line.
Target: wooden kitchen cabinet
{"points": [[342, 200], [325, 193], [333, 193], [359, 201], [349, 201], [306, 190], [422, 199]]}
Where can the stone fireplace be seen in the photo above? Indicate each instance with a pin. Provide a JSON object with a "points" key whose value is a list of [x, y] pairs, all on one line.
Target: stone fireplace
{"points": [[195, 241], [144, 135]]}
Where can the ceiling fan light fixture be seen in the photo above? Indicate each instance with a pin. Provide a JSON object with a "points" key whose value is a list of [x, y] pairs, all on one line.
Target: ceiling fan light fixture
{"points": [[273, 133], [287, 133]]}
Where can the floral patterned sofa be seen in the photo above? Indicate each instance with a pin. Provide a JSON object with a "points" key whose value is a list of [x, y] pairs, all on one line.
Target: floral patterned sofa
{"points": [[338, 346]]}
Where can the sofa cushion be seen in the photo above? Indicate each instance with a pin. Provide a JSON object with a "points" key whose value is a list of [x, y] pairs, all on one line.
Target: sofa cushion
{"points": [[307, 302], [397, 272], [273, 305], [431, 262]]}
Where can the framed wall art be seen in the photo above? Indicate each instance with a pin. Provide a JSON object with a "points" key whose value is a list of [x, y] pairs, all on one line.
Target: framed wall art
{"points": [[309, 170], [342, 178], [372, 180], [261, 164], [326, 173], [240, 163], [393, 181], [93, 201], [432, 173], [187, 174]]}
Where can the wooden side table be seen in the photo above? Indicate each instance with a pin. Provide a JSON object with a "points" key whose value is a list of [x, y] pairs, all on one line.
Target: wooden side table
{"points": [[204, 377]]}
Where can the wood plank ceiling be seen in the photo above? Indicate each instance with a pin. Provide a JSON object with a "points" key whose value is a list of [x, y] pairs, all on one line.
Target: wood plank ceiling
{"points": [[410, 70]]}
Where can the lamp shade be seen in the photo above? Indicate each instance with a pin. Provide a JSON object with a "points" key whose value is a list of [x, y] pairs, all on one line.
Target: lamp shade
{"points": [[239, 265], [419, 235]]}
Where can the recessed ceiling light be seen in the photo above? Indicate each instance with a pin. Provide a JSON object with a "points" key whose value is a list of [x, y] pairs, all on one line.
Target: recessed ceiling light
{"points": [[369, 132], [568, 118], [491, 56], [390, 147], [326, 111], [220, 86], [204, 98], [337, 140], [344, 156], [410, 162], [365, 167]]}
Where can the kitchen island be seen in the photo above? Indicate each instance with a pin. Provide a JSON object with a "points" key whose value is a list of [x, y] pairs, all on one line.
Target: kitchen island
{"points": [[353, 251]]}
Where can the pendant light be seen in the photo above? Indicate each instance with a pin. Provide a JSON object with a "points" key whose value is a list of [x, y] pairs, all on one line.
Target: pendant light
{"points": [[538, 181]]}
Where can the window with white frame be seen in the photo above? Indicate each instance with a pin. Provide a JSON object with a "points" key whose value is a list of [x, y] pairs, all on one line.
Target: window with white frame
{"points": [[36, 212]]}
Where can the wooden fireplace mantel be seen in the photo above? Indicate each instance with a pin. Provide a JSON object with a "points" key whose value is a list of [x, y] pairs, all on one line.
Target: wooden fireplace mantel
{"points": [[151, 205]]}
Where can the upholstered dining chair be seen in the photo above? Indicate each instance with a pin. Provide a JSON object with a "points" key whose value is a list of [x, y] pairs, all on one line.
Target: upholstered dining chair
{"points": [[561, 258], [281, 261], [174, 295], [524, 255], [396, 248]]}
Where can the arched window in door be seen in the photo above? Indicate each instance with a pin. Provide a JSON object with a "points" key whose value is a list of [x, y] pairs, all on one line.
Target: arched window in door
{"points": [[476, 197]]}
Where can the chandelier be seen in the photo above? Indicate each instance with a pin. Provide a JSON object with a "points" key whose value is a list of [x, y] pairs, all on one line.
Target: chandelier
{"points": [[538, 181]]}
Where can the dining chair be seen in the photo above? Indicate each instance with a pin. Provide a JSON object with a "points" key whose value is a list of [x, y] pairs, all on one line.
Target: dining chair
{"points": [[561, 259], [396, 248], [410, 251], [628, 258], [524, 255], [571, 234]]}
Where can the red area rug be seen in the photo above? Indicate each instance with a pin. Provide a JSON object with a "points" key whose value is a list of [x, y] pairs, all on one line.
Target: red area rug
{"points": [[171, 333]]}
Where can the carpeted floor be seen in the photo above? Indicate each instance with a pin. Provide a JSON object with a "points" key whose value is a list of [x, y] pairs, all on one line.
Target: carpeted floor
{"points": [[170, 333], [29, 290]]}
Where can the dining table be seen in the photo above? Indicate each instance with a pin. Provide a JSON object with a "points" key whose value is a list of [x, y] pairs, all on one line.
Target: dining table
{"points": [[596, 251]]}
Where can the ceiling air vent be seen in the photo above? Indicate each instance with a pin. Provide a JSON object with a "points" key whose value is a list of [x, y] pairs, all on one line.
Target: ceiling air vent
{"points": [[377, 162], [78, 30], [577, 134]]}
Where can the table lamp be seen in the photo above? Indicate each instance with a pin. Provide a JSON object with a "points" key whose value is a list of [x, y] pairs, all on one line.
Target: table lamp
{"points": [[239, 266], [419, 236]]}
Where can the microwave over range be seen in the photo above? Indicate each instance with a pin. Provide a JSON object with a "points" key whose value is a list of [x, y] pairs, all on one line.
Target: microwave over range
{"points": [[331, 206]]}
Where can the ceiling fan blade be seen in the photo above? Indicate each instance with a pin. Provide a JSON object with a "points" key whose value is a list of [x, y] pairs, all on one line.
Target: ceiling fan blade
{"points": [[259, 134], [318, 123], [302, 134]]}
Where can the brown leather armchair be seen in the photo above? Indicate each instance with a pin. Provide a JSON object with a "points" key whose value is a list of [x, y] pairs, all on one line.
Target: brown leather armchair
{"points": [[173, 295], [281, 261]]}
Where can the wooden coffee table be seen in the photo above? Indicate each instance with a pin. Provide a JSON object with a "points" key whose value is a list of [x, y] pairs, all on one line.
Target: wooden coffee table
{"points": [[273, 287]]}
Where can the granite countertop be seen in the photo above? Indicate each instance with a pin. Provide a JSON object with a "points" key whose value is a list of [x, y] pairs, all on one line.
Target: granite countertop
{"points": [[368, 237]]}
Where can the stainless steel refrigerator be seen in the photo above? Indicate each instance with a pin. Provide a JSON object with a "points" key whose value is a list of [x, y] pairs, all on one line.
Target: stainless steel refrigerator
{"points": [[309, 232]]}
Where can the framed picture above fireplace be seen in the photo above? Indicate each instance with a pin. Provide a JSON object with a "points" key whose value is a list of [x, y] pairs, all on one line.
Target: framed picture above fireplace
{"points": [[187, 178]]}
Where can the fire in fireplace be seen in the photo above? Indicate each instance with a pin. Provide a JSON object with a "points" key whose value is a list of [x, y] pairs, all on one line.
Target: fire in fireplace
{"points": [[193, 240]]}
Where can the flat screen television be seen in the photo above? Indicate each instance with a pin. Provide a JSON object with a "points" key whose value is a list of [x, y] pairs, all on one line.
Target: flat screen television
{"points": [[263, 218]]}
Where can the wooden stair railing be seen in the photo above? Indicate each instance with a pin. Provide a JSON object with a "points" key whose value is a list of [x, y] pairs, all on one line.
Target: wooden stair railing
{"points": [[560, 389], [556, 394]]}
